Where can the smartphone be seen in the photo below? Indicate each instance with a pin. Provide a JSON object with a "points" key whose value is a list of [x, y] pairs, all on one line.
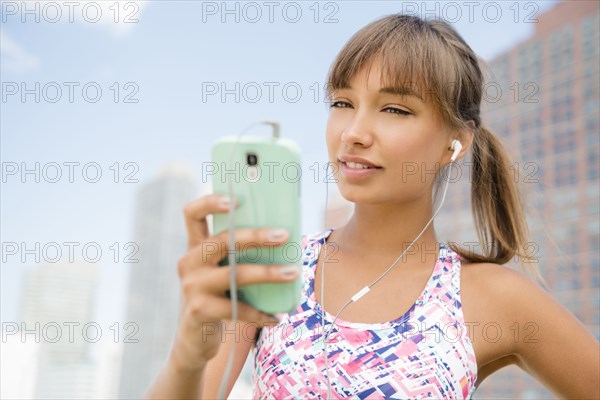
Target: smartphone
{"points": [[266, 178]]}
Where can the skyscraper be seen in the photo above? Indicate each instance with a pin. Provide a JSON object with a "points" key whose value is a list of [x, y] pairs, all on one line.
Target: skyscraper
{"points": [[154, 294], [57, 298], [18, 366], [542, 99]]}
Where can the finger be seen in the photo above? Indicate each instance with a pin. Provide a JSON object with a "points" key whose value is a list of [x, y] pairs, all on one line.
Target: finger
{"points": [[215, 248], [217, 281], [221, 308], [250, 314], [195, 216]]}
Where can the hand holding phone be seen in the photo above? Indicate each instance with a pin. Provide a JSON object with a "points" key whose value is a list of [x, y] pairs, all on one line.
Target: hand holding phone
{"points": [[265, 177]]}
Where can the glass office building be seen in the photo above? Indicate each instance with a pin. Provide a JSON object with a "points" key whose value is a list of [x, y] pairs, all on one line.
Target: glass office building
{"points": [[542, 99]]}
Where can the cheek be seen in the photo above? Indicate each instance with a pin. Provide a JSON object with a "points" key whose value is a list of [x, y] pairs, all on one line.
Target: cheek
{"points": [[415, 160], [332, 137]]}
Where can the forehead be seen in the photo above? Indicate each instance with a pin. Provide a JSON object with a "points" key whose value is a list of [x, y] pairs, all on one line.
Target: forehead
{"points": [[372, 77], [377, 74]]}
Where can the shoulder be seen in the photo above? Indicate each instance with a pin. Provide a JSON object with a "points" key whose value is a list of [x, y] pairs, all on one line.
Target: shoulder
{"points": [[493, 276], [497, 279], [530, 326], [507, 293], [499, 303]]}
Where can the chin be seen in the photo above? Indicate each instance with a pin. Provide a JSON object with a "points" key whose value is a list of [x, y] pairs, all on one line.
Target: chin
{"points": [[358, 195], [369, 195]]}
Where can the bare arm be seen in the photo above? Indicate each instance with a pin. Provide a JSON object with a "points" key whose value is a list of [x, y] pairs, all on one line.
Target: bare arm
{"points": [[565, 356], [182, 382], [177, 382], [243, 340], [555, 348]]}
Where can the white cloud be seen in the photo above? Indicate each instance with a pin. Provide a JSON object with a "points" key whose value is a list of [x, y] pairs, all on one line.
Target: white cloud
{"points": [[14, 57], [117, 16], [119, 19]]}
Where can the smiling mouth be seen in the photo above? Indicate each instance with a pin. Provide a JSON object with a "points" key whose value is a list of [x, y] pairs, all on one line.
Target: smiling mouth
{"points": [[358, 166]]}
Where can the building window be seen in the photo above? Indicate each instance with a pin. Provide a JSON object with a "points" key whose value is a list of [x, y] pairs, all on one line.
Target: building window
{"points": [[593, 163], [594, 242], [596, 278]]}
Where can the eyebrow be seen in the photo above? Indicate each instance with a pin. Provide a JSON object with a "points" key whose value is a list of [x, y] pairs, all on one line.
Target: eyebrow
{"points": [[395, 90], [400, 91]]}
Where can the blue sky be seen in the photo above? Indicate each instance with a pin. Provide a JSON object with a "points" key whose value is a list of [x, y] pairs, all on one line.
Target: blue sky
{"points": [[164, 60]]}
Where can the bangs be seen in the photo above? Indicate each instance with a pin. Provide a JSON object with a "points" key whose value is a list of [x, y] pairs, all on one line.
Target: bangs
{"points": [[413, 58]]}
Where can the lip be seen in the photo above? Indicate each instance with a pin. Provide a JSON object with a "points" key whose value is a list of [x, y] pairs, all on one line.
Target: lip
{"points": [[354, 173], [350, 158]]}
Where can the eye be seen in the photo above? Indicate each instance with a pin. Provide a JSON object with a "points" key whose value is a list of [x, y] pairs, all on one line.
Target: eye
{"points": [[340, 104], [394, 110]]}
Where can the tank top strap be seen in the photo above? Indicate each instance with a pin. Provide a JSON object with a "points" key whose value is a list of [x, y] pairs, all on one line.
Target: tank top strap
{"points": [[311, 244], [447, 289]]}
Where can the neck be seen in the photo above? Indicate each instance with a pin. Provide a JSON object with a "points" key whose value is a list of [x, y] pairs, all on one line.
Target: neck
{"points": [[387, 230]]}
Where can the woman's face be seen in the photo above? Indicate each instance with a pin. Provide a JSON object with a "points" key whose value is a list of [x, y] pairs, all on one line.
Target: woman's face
{"points": [[399, 133]]}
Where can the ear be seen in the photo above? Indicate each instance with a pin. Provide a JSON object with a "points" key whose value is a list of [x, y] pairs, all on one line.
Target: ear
{"points": [[465, 137]]}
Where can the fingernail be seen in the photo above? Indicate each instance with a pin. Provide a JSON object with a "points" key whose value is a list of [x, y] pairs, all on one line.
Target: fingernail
{"points": [[288, 270], [277, 234], [225, 201]]}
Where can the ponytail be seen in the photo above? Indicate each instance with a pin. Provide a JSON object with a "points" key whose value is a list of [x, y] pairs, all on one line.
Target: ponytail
{"points": [[497, 207]]}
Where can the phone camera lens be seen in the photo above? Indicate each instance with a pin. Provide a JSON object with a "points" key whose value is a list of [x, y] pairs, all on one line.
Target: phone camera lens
{"points": [[252, 159]]}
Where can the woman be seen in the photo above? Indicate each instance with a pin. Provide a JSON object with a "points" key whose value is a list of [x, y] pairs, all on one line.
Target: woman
{"points": [[402, 90]]}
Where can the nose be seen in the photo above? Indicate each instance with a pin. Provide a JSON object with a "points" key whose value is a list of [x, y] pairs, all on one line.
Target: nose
{"points": [[358, 131]]}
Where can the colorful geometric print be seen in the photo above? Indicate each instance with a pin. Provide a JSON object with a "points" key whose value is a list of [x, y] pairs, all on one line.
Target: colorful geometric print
{"points": [[425, 353]]}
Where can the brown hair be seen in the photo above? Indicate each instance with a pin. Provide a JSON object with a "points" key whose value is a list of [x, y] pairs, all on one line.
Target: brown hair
{"points": [[432, 59]]}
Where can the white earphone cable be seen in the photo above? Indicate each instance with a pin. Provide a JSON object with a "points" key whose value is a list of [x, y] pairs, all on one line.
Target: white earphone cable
{"points": [[231, 253], [323, 284], [366, 289]]}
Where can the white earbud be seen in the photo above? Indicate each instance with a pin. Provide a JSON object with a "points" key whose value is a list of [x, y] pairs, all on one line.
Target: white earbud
{"points": [[457, 147]]}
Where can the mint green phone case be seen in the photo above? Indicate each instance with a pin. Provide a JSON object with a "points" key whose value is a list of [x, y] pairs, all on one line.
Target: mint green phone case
{"points": [[269, 196]]}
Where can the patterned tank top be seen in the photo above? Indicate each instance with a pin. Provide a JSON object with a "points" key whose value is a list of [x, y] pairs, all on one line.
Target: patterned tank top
{"points": [[425, 353]]}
